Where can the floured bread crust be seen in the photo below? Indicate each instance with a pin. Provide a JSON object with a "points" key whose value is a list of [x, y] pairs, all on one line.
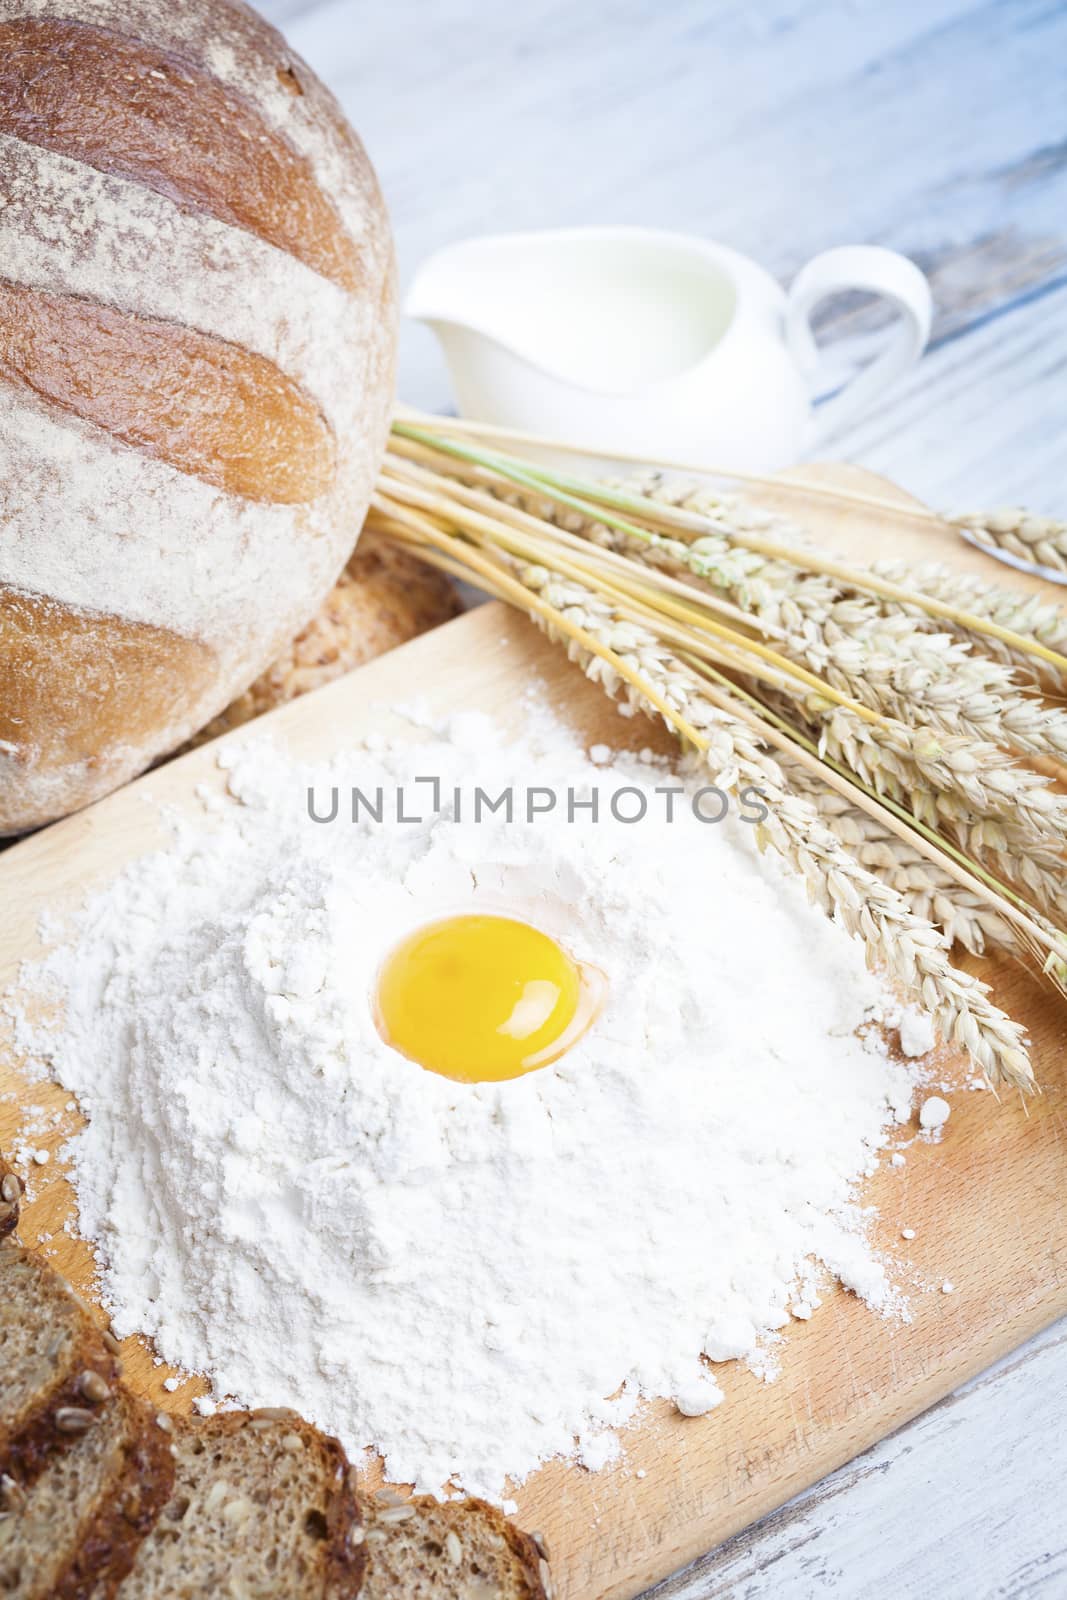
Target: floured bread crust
{"points": [[197, 337], [384, 597]]}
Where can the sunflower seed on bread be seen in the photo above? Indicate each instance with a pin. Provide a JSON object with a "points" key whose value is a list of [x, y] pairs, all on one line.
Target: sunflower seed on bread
{"points": [[263, 1508], [56, 1369], [427, 1549], [10, 1200], [74, 1531]]}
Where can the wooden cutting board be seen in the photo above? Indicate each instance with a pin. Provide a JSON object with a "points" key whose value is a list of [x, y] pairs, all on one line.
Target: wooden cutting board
{"points": [[989, 1205]]}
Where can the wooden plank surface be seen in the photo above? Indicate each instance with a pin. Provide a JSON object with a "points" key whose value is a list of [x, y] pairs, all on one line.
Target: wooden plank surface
{"points": [[989, 1205], [846, 1533]]}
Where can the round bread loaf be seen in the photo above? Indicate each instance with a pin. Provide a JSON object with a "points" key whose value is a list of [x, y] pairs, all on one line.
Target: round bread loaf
{"points": [[197, 339]]}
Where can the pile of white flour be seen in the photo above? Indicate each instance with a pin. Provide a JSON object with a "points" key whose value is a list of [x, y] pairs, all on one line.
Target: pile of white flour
{"points": [[469, 1278]]}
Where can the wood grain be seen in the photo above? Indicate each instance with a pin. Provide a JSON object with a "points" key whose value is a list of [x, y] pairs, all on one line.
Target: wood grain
{"points": [[989, 1205], [845, 1534]]}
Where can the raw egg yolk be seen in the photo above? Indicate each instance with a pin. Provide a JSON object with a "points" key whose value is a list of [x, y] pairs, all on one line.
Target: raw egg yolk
{"points": [[480, 998]]}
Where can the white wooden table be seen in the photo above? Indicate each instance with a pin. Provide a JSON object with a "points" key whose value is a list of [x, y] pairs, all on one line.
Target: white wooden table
{"points": [[938, 127]]}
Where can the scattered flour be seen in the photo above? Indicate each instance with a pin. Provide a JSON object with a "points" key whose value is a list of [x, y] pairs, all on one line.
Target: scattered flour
{"points": [[698, 1397], [916, 1032], [934, 1113], [729, 1338], [468, 1278]]}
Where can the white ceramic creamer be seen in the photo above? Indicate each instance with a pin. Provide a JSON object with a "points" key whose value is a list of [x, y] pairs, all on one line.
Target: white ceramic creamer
{"points": [[670, 347]]}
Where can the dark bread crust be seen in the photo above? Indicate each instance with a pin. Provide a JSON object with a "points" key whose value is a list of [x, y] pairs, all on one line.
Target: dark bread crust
{"points": [[345, 1557], [33, 1436], [75, 1532], [525, 1551], [527, 1561], [346, 1562], [84, 1387], [39, 1438], [109, 1546]]}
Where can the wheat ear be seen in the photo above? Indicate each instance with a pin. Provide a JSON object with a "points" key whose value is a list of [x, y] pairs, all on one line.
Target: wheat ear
{"points": [[949, 772], [871, 651], [1013, 531], [1009, 609], [963, 916]]}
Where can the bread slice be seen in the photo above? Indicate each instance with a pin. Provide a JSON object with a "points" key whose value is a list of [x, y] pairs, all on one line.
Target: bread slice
{"points": [[427, 1549], [57, 1369], [263, 1508], [10, 1199], [73, 1533]]}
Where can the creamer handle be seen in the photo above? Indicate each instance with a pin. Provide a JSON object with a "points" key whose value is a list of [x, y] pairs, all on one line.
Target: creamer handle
{"points": [[872, 270]]}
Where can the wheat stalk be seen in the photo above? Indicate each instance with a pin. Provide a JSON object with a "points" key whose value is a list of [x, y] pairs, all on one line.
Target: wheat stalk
{"points": [[617, 508], [873, 652], [879, 654], [714, 636], [995, 808], [1010, 609], [963, 915], [950, 777], [1035, 541], [1016, 847], [1021, 631], [950, 768], [981, 803], [1024, 536], [1042, 730], [960, 873]]}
